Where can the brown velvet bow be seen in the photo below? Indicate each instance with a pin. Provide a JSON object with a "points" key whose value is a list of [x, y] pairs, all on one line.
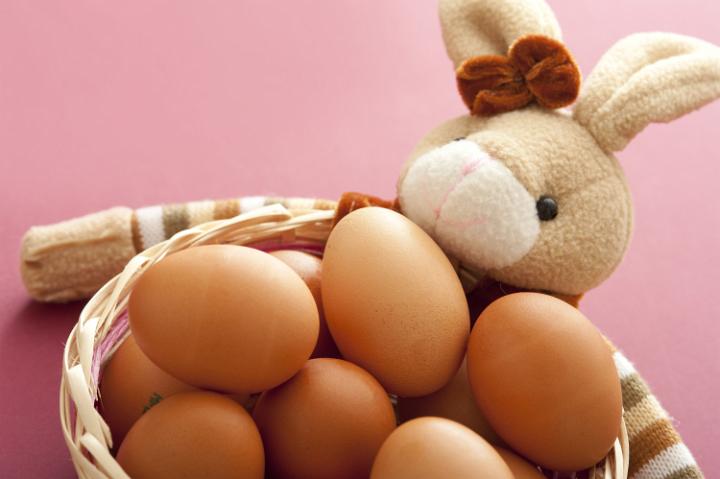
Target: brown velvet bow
{"points": [[536, 68]]}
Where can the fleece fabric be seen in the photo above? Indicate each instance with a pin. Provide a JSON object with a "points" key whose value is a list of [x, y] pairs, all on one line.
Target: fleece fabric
{"points": [[72, 259], [647, 78], [549, 154]]}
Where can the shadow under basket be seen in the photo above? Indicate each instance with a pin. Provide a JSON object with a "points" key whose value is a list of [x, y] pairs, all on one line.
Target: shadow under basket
{"points": [[101, 328]]}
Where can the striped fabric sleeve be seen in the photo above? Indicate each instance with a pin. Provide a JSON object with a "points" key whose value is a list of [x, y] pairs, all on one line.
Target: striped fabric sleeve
{"points": [[153, 224], [656, 449]]}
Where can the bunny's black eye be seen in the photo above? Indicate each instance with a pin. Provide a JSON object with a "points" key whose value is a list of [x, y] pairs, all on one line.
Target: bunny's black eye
{"points": [[547, 208], [459, 138]]}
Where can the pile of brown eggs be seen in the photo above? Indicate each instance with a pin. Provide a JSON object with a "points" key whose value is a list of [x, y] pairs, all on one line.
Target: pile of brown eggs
{"points": [[246, 364]]}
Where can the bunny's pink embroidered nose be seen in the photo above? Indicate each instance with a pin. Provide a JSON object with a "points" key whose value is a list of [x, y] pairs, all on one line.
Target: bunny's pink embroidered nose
{"points": [[471, 166], [468, 168]]}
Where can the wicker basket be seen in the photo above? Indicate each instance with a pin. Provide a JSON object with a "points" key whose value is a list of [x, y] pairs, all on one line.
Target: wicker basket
{"points": [[102, 326]]}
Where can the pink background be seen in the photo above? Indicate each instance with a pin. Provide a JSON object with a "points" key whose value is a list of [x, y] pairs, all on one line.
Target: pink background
{"points": [[141, 102]]}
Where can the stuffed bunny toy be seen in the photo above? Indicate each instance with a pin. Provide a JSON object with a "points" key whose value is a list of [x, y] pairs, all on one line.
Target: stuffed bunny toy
{"points": [[521, 192], [528, 194], [525, 193]]}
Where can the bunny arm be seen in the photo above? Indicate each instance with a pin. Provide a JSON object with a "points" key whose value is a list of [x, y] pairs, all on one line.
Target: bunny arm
{"points": [[656, 449], [72, 259]]}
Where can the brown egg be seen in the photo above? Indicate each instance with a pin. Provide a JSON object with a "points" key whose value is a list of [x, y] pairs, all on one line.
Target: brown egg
{"points": [[545, 379], [224, 317], [520, 468], [437, 448], [309, 268], [130, 385], [192, 435], [328, 421], [454, 401], [393, 302]]}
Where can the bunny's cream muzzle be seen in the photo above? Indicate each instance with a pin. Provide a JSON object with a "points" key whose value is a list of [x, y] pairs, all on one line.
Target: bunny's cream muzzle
{"points": [[471, 204]]}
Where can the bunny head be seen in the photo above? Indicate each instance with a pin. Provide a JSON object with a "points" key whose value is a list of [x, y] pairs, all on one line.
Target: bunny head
{"points": [[520, 191]]}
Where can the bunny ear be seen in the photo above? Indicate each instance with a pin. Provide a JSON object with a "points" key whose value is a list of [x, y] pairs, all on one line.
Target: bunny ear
{"points": [[488, 27], [647, 78]]}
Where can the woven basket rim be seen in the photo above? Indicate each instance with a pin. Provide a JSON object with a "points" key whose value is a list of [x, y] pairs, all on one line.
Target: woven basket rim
{"points": [[91, 340]]}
